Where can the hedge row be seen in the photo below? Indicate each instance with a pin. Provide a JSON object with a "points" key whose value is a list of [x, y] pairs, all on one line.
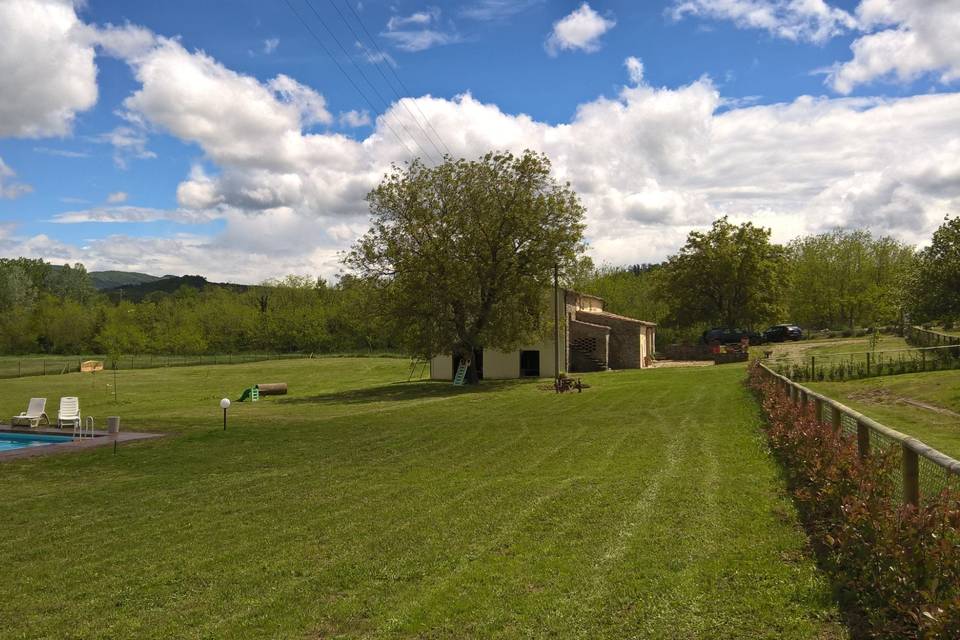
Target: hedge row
{"points": [[895, 567]]}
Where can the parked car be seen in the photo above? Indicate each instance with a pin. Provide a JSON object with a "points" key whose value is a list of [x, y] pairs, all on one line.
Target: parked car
{"points": [[726, 335], [782, 332]]}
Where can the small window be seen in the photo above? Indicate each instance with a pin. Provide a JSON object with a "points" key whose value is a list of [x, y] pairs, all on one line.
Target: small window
{"points": [[530, 364]]}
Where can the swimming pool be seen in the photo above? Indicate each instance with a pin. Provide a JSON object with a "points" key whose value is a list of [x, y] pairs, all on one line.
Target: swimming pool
{"points": [[10, 441]]}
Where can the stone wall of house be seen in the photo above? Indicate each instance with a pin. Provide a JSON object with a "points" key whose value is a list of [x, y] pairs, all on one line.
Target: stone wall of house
{"points": [[625, 347], [589, 346]]}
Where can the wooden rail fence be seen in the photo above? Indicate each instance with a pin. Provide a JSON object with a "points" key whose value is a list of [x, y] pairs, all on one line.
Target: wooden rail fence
{"points": [[927, 338], [923, 468]]}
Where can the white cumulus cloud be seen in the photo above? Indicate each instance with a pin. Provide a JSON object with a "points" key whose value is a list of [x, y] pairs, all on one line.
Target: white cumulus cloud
{"points": [[581, 30], [909, 38], [47, 70]]}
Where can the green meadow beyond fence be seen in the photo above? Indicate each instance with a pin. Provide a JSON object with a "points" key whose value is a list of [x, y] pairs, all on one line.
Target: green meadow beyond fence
{"points": [[12, 367], [923, 471], [836, 367]]}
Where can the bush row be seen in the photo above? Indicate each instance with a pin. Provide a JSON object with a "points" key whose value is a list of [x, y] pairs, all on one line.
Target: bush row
{"points": [[895, 567]]}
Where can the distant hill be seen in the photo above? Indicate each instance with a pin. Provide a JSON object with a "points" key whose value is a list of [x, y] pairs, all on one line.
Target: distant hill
{"points": [[166, 284], [112, 279]]}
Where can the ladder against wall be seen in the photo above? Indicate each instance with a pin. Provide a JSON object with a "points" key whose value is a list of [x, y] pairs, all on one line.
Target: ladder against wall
{"points": [[415, 364], [461, 376]]}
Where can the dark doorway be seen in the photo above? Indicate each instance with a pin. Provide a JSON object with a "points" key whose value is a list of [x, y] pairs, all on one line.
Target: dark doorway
{"points": [[477, 363], [530, 364]]}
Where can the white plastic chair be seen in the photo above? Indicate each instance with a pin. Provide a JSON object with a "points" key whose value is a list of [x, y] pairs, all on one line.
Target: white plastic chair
{"points": [[33, 416], [69, 413]]}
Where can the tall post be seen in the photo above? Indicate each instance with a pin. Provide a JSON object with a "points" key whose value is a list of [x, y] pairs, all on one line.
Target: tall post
{"points": [[911, 476], [863, 439], [836, 419], [556, 322]]}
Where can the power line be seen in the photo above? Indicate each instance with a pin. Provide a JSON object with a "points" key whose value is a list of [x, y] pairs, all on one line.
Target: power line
{"points": [[347, 76], [363, 75], [384, 56], [381, 61]]}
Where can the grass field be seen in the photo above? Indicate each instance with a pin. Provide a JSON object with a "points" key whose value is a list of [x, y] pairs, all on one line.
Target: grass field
{"points": [[924, 405], [833, 349], [645, 507]]}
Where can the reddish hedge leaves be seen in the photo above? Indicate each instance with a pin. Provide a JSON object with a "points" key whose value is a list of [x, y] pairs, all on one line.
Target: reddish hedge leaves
{"points": [[896, 568]]}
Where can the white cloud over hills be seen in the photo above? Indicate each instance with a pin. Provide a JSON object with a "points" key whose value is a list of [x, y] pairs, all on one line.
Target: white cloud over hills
{"points": [[649, 162]]}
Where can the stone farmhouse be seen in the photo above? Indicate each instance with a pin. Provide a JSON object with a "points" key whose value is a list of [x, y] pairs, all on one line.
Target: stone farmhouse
{"points": [[591, 339]]}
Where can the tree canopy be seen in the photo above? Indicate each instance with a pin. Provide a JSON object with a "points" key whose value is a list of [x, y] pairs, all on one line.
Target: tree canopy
{"points": [[731, 275], [933, 289], [847, 278], [464, 251]]}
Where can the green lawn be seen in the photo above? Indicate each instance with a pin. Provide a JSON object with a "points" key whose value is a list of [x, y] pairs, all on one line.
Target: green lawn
{"points": [[645, 507], [923, 405]]}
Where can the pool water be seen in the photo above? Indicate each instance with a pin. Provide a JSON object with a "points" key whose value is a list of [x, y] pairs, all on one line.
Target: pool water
{"points": [[10, 441]]}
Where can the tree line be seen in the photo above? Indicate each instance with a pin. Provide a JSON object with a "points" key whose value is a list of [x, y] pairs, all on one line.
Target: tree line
{"points": [[841, 280], [57, 310]]}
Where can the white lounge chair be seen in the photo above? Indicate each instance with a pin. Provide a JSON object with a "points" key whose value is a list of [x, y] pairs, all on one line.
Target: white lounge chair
{"points": [[33, 416], [69, 413]]}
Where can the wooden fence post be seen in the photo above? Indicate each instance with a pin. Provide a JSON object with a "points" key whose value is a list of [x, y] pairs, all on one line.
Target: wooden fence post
{"points": [[818, 408], [911, 476], [836, 418], [863, 439], [868, 363]]}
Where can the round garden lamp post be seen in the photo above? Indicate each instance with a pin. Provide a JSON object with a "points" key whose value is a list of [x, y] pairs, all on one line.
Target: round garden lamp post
{"points": [[225, 404]]}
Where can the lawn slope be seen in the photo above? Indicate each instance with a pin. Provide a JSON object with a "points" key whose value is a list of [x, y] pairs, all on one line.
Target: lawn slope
{"points": [[645, 507], [923, 405]]}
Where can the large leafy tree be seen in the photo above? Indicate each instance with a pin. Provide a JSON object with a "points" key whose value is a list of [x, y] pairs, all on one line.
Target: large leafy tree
{"points": [[933, 289], [463, 252], [731, 275]]}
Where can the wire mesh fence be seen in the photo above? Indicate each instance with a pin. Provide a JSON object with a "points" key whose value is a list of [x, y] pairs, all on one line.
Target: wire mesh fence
{"points": [[923, 471], [43, 366]]}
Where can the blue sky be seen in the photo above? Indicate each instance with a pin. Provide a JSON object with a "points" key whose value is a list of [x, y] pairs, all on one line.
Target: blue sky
{"points": [[185, 137]]}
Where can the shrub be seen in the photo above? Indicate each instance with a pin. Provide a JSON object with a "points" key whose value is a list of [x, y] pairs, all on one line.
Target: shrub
{"points": [[895, 568]]}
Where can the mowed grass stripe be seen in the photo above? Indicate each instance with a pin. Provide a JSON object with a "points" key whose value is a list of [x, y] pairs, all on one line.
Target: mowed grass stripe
{"points": [[644, 507]]}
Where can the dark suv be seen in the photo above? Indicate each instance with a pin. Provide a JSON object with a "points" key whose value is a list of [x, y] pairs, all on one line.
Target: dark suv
{"points": [[782, 332], [726, 335]]}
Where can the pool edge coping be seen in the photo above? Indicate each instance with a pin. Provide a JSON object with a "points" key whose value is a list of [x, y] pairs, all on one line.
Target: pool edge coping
{"points": [[100, 439]]}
